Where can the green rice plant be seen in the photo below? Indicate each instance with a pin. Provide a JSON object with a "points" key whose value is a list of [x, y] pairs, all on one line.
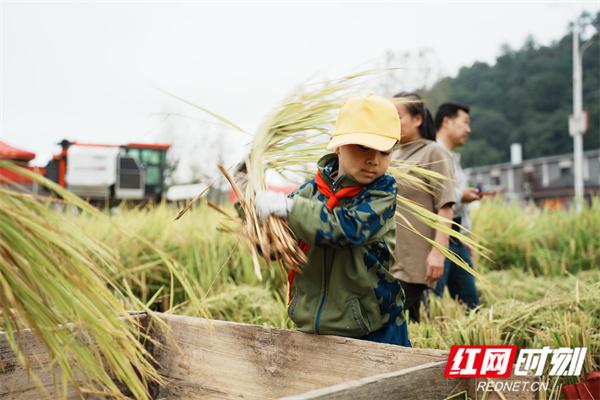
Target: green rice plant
{"points": [[546, 242], [52, 274], [254, 304], [156, 256], [520, 309], [208, 257]]}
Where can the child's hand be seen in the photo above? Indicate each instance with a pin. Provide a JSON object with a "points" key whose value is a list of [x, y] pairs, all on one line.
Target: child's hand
{"points": [[275, 203]]}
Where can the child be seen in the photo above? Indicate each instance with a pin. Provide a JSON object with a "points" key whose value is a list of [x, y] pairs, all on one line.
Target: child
{"points": [[344, 218]]}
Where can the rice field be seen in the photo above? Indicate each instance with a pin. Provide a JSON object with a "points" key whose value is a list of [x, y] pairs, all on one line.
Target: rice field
{"points": [[543, 242], [540, 287]]}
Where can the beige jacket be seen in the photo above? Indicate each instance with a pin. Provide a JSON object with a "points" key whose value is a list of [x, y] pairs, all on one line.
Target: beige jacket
{"points": [[412, 250]]}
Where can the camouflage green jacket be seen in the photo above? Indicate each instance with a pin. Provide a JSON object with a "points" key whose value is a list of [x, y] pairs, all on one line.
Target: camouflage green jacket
{"points": [[346, 288]]}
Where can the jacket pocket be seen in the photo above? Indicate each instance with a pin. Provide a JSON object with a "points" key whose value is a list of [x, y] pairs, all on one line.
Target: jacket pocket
{"points": [[359, 316], [299, 311]]}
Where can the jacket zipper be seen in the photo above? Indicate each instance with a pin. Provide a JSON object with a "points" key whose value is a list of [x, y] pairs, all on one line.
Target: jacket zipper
{"points": [[325, 274], [324, 298]]}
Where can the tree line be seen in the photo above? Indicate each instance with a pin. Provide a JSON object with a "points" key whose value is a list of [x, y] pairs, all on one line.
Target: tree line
{"points": [[525, 97]]}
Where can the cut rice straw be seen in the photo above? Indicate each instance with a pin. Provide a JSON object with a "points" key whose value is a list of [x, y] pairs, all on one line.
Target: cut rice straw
{"points": [[290, 140], [271, 238]]}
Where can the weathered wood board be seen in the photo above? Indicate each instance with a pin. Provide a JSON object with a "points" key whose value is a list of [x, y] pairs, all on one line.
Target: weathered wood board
{"points": [[229, 360], [421, 382], [15, 382], [225, 360]]}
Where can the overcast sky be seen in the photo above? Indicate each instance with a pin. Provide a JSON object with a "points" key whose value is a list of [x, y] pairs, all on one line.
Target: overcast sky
{"points": [[88, 71]]}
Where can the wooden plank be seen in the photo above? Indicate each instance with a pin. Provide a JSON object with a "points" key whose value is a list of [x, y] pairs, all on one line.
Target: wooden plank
{"points": [[219, 359], [423, 382], [16, 382]]}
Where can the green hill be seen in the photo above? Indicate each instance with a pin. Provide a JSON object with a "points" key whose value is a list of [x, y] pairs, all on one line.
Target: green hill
{"points": [[525, 97]]}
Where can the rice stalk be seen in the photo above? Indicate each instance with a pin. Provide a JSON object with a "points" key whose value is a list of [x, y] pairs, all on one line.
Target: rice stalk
{"points": [[289, 141], [271, 238], [51, 275]]}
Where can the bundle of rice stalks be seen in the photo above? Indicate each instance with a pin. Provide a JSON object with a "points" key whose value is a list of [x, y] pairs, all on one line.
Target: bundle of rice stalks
{"points": [[56, 271], [271, 238], [295, 136], [290, 141], [291, 138]]}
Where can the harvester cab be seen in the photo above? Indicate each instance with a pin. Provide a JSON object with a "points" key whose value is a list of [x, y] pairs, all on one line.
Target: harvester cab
{"points": [[113, 173]]}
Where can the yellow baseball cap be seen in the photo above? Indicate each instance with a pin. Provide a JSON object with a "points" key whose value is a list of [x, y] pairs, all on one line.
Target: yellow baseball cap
{"points": [[371, 121]]}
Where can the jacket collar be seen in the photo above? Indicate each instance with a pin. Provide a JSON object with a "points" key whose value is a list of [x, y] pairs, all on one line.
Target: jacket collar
{"points": [[415, 143], [328, 166]]}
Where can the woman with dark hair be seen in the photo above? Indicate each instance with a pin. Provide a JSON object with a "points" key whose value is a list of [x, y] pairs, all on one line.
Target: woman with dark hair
{"points": [[418, 264]]}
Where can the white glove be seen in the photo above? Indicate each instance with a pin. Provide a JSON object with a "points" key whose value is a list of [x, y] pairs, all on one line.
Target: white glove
{"points": [[275, 203]]}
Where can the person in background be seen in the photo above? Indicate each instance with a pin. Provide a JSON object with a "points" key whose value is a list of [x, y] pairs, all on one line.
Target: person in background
{"points": [[344, 218], [452, 122], [418, 264]]}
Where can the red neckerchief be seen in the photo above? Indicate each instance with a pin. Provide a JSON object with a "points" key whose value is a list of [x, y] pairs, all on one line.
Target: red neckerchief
{"points": [[333, 200]]}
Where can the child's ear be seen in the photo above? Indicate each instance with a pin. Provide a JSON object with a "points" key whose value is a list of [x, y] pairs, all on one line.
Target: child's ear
{"points": [[337, 150]]}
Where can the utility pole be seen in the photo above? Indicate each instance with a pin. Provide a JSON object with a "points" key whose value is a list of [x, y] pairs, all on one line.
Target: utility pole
{"points": [[576, 120]]}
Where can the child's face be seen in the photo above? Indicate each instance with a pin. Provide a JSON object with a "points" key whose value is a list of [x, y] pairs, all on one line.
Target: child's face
{"points": [[363, 163]]}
